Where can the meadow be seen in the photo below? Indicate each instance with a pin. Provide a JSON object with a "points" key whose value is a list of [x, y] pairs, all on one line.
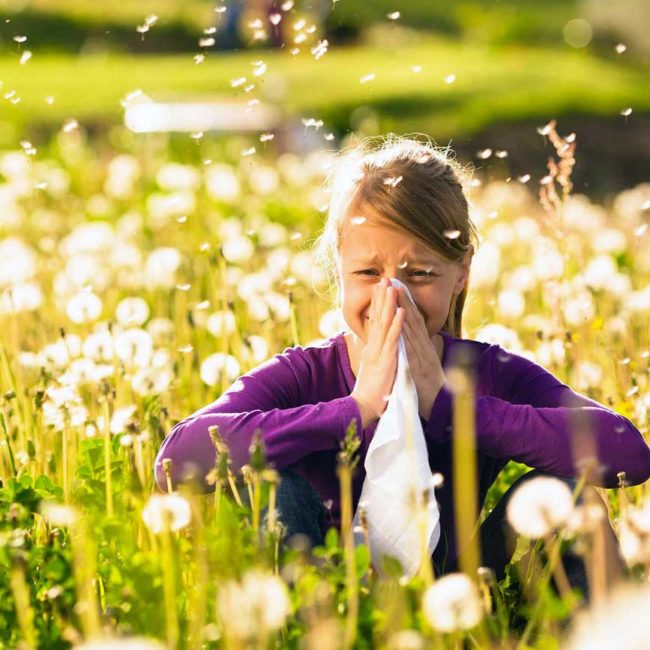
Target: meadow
{"points": [[137, 282]]}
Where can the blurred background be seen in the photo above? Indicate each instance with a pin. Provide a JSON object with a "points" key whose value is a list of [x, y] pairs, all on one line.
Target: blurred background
{"points": [[481, 75]]}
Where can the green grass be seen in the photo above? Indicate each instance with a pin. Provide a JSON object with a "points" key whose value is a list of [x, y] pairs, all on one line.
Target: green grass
{"points": [[493, 85]]}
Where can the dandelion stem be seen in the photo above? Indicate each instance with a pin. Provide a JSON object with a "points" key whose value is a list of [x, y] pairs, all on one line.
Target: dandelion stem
{"points": [[169, 584], [464, 464], [24, 611], [108, 484]]}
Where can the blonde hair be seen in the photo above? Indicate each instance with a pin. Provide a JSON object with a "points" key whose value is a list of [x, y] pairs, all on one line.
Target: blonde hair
{"points": [[415, 186]]}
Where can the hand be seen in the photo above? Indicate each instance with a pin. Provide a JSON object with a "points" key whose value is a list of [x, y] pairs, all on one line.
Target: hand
{"points": [[423, 358], [378, 361]]}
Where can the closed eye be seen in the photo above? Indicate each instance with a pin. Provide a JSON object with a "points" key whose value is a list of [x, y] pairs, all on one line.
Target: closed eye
{"points": [[420, 273]]}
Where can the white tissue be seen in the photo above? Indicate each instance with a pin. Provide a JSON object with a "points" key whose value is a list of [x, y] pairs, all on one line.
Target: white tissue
{"points": [[397, 468]]}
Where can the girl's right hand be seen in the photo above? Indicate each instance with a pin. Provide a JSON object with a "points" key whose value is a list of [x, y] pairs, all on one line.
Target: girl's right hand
{"points": [[378, 360]]}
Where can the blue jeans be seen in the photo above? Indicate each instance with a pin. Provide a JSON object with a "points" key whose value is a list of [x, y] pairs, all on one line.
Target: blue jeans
{"points": [[302, 513]]}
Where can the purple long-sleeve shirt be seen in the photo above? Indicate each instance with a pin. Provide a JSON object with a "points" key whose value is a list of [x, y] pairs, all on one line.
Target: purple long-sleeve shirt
{"points": [[300, 400]]}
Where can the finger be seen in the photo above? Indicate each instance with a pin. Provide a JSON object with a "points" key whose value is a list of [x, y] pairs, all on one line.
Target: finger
{"points": [[395, 328], [388, 311]]}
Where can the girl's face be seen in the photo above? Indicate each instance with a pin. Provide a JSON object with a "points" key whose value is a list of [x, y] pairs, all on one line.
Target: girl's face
{"points": [[372, 249]]}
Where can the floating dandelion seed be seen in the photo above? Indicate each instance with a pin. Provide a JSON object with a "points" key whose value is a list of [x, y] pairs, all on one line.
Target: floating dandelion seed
{"points": [[452, 234], [207, 42], [183, 287], [275, 19], [484, 154], [70, 125], [546, 129], [266, 137], [168, 510], [255, 24], [49, 100], [393, 15], [248, 152], [248, 88], [620, 48], [368, 77], [259, 68], [641, 230], [501, 154], [185, 349], [403, 265], [204, 304], [301, 38], [20, 39], [626, 111], [450, 78], [299, 24], [240, 81], [252, 103], [210, 30], [310, 121], [150, 20], [311, 29], [10, 94], [416, 69], [393, 181], [319, 50], [328, 136], [197, 135], [524, 178], [142, 29], [357, 221], [26, 56], [294, 51], [220, 10], [287, 6]]}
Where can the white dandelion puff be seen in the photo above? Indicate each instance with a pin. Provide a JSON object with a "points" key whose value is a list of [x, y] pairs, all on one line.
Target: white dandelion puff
{"points": [[213, 366], [170, 511], [84, 307], [453, 603], [371, 76], [540, 506]]}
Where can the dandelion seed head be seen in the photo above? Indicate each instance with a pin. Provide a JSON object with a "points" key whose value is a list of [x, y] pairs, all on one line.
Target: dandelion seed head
{"points": [[452, 603], [58, 514], [539, 506], [170, 511]]}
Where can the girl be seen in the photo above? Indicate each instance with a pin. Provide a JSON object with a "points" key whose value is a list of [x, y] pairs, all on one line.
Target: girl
{"points": [[398, 211]]}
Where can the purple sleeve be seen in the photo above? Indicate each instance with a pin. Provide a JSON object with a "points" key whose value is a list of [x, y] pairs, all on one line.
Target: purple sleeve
{"points": [[268, 398], [533, 418]]}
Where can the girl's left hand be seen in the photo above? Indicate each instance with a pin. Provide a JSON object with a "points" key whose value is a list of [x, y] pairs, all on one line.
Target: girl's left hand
{"points": [[424, 361]]}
